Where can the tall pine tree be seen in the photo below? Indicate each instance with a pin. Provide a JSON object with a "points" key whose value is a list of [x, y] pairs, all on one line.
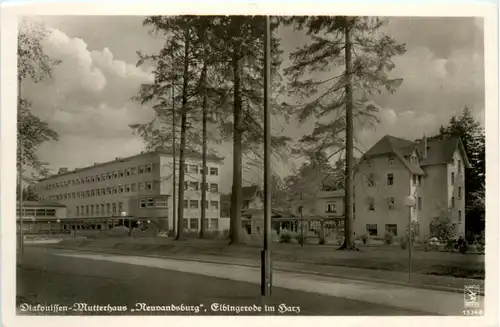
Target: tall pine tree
{"points": [[361, 53]]}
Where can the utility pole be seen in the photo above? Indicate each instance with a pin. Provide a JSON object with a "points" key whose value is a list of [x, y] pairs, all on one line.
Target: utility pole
{"points": [[266, 269], [21, 154]]}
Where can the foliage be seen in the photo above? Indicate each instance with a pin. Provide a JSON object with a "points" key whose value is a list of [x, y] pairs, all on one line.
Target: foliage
{"points": [[358, 50], [442, 227], [34, 64], [29, 193], [473, 139], [403, 242], [285, 237], [388, 238]]}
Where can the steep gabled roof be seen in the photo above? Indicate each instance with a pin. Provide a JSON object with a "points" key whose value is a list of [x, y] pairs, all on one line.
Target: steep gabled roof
{"points": [[390, 145], [440, 151]]}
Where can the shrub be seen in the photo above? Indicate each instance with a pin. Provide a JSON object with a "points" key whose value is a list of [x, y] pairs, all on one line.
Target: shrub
{"points": [[285, 238], [442, 227], [365, 238], [403, 242], [322, 241], [300, 238], [388, 238]]}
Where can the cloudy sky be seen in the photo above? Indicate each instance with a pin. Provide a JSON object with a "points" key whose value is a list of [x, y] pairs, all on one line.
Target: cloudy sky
{"points": [[88, 100]]}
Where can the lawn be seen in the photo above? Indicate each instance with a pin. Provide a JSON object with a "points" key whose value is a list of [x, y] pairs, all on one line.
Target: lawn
{"points": [[384, 257]]}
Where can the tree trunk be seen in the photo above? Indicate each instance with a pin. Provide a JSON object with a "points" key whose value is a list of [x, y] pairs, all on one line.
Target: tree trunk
{"points": [[204, 150], [173, 153], [180, 227], [235, 222], [348, 242]]}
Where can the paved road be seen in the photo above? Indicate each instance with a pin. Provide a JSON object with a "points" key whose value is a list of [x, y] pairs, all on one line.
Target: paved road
{"points": [[46, 278]]}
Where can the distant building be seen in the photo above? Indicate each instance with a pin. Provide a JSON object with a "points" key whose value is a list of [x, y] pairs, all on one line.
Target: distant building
{"points": [[42, 216], [139, 186], [430, 170]]}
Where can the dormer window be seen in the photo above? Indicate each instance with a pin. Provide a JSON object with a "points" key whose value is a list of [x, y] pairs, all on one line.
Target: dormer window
{"points": [[391, 160]]}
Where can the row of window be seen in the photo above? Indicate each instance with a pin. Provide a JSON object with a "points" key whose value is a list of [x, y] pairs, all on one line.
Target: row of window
{"points": [[459, 165], [99, 209], [195, 186], [372, 230], [195, 169], [148, 168], [194, 223], [120, 189], [144, 169], [37, 212], [390, 203], [417, 180], [195, 204]]}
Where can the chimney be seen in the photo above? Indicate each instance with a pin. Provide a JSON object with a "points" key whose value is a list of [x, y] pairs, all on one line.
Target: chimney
{"points": [[424, 152], [63, 170]]}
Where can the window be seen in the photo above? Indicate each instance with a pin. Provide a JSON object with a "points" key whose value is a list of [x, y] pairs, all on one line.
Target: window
{"points": [[392, 228], [103, 176], [459, 216], [214, 224], [109, 191], [193, 223], [452, 202], [77, 211], [390, 203], [141, 186], [371, 179], [214, 188], [419, 180], [115, 190], [150, 202], [133, 187], [149, 186], [391, 160], [390, 179], [205, 223], [110, 176], [459, 192], [108, 207], [87, 194], [371, 204], [97, 192], [371, 229], [102, 209], [459, 166], [114, 208], [331, 207], [192, 169], [419, 203], [103, 191], [214, 205], [142, 203], [452, 178], [161, 202], [87, 210], [115, 174], [185, 223], [214, 171], [141, 170], [193, 204], [414, 179], [185, 204], [98, 178], [97, 210], [185, 186], [127, 188], [120, 206], [92, 179], [206, 204], [193, 186], [121, 173], [127, 172], [121, 189], [147, 168], [133, 171]]}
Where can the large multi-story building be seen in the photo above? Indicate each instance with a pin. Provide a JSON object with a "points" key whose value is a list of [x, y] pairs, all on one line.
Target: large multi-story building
{"points": [[432, 171], [138, 187]]}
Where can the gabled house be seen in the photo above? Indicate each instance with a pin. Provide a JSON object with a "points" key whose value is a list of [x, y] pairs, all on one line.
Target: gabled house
{"points": [[252, 198], [431, 170]]}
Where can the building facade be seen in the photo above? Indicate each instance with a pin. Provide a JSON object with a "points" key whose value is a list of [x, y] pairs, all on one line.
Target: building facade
{"points": [[139, 186], [41, 216], [432, 171]]}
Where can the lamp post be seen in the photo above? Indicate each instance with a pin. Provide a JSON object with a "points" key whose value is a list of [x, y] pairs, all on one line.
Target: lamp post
{"points": [[59, 223], [409, 202]]}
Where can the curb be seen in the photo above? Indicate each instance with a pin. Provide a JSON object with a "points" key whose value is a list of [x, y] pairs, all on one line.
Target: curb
{"points": [[299, 271]]}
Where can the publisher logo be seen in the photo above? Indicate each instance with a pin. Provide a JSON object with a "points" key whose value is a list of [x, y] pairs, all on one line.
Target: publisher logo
{"points": [[472, 294]]}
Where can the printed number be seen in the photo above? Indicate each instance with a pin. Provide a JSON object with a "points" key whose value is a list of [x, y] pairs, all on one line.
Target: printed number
{"points": [[473, 312]]}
